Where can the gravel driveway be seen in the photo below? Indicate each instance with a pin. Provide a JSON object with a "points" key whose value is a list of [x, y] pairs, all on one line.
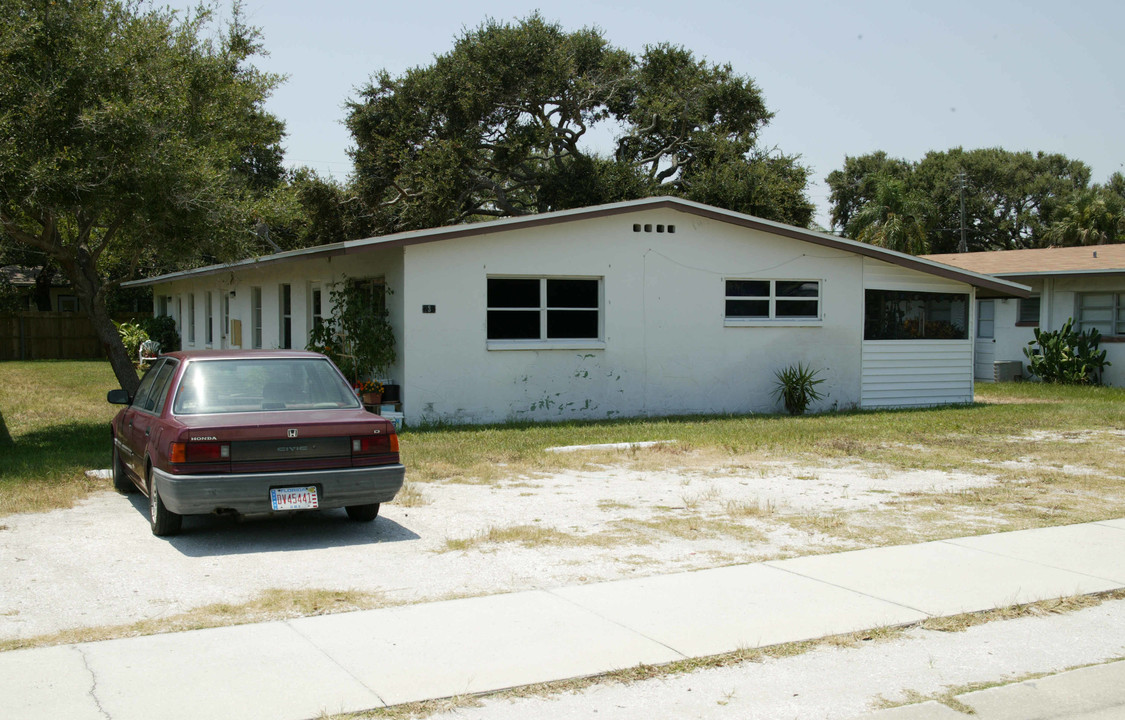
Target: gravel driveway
{"points": [[97, 563]]}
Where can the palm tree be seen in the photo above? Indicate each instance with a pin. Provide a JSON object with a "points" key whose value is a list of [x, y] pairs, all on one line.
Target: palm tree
{"points": [[1092, 217], [894, 218]]}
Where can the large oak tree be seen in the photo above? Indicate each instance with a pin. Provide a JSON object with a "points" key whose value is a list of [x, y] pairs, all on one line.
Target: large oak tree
{"points": [[500, 126], [1011, 199], [129, 136]]}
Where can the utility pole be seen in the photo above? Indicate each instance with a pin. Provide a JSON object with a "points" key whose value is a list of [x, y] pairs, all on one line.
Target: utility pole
{"points": [[964, 245]]}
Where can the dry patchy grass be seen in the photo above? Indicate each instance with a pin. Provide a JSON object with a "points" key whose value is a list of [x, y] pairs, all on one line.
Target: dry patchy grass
{"points": [[270, 605]]}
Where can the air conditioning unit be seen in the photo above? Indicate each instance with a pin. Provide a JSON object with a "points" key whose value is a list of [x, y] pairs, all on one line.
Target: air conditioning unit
{"points": [[1007, 370]]}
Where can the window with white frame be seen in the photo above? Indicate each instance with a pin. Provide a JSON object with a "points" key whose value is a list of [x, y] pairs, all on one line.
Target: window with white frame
{"points": [[224, 311], [1104, 311], [285, 321], [986, 318], [191, 318], [544, 308], [1029, 311], [316, 306], [256, 317], [772, 300], [210, 321]]}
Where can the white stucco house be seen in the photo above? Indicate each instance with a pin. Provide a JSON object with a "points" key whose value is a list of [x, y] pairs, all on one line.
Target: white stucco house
{"points": [[1083, 283], [648, 307]]}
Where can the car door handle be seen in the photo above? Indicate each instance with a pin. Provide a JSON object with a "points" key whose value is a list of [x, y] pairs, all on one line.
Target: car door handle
{"points": [[147, 431]]}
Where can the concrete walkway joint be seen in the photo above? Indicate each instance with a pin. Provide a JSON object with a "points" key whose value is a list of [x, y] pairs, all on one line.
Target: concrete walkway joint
{"points": [[349, 662]]}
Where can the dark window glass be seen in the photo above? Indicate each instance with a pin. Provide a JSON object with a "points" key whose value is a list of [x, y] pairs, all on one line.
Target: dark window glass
{"points": [[1029, 310], [513, 293], [748, 308], [572, 294], [572, 324], [513, 325], [748, 288], [908, 315], [160, 387], [144, 390], [797, 308], [786, 288]]}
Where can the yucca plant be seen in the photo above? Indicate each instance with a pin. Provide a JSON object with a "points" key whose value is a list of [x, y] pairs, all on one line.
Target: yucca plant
{"points": [[796, 387]]}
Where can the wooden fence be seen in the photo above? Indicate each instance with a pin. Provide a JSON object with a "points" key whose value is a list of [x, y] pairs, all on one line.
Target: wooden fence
{"points": [[51, 336]]}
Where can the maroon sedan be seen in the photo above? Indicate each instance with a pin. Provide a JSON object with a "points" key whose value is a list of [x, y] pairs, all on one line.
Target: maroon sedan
{"points": [[251, 432]]}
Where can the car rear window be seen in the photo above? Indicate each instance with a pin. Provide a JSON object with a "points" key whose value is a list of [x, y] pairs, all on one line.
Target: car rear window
{"points": [[256, 384]]}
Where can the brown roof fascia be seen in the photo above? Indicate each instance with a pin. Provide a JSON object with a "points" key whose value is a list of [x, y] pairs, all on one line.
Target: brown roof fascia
{"points": [[933, 268], [1000, 288]]}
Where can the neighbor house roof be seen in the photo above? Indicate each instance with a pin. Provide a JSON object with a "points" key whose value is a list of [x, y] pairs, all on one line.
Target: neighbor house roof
{"points": [[1085, 260], [995, 286], [23, 276]]}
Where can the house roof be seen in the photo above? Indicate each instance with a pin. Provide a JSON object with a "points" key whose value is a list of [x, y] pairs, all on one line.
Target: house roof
{"points": [[1085, 260], [994, 286], [23, 276]]}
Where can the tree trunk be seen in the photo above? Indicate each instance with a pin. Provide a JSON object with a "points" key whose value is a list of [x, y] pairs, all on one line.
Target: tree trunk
{"points": [[90, 288], [5, 436], [42, 292]]}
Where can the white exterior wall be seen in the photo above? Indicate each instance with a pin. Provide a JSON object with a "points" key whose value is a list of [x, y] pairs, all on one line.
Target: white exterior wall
{"points": [[300, 274], [903, 373], [1059, 302], [666, 349]]}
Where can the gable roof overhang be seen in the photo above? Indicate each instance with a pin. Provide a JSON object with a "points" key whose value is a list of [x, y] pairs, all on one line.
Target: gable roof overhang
{"points": [[996, 287]]}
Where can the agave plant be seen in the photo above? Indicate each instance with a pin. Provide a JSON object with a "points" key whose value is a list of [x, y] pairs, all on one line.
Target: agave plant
{"points": [[796, 387]]}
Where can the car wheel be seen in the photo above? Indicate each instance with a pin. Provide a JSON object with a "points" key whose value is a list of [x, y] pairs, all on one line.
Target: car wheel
{"points": [[363, 513], [121, 481], [163, 520]]}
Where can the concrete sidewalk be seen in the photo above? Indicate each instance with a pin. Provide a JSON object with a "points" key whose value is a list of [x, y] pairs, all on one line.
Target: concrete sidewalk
{"points": [[1091, 693], [361, 660]]}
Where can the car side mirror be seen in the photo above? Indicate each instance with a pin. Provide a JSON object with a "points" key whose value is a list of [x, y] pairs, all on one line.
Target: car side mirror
{"points": [[118, 397]]}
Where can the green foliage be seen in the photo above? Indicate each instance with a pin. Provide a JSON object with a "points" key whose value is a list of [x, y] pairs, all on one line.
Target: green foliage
{"points": [[357, 336], [1066, 356], [1091, 217], [796, 388], [894, 218], [162, 329], [306, 210], [132, 135], [1011, 198], [495, 128], [132, 335]]}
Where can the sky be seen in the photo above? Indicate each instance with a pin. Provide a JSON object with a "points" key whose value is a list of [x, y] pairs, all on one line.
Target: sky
{"points": [[844, 79]]}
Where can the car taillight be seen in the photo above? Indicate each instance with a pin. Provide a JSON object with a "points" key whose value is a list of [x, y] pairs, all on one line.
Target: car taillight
{"points": [[199, 452], [373, 444]]}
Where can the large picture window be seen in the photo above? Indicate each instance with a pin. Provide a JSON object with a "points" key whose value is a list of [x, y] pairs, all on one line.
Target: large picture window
{"points": [[544, 308], [910, 315], [773, 300], [1104, 311]]}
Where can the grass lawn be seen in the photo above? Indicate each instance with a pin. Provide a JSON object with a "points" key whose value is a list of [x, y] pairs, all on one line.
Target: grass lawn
{"points": [[57, 415], [1026, 432]]}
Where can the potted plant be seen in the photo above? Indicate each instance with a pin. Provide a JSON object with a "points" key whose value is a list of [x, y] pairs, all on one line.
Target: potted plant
{"points": [[357, 336], [371, 391]]}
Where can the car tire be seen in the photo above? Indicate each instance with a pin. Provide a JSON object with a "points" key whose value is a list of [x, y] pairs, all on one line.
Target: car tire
{"points": [[121, 481], [164, 522], [363, 513]]}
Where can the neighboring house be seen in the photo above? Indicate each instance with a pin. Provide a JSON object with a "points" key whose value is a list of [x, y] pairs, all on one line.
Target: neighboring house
{"points": [[648, 307], [1085, 283], [21, 281]]}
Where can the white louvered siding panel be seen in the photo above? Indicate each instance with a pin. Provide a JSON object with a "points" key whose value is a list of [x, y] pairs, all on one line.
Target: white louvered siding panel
{"points": [[904, 373], [884, 276]]}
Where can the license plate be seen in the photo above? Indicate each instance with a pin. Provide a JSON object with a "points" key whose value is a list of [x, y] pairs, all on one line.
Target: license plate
{"points": [[301, 498]]}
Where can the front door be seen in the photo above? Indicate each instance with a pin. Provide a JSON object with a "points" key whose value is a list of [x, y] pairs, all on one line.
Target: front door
{"points": [[985, 351]]}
